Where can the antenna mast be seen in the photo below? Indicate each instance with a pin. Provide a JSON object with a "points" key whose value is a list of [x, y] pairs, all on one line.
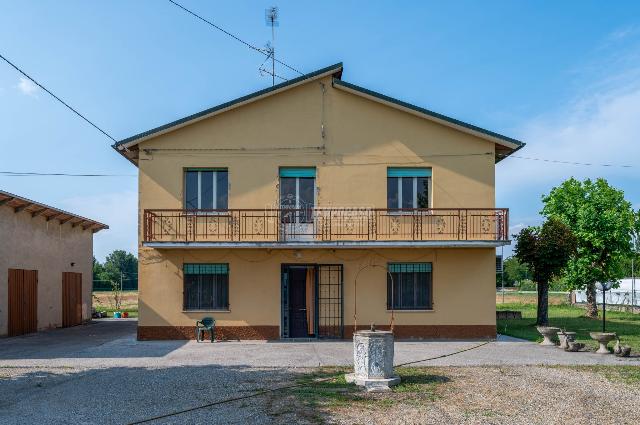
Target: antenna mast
{"points": [[271, 18]]}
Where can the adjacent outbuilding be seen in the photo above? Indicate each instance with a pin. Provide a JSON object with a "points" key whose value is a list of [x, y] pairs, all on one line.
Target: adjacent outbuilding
{"points": [[46, 262]]}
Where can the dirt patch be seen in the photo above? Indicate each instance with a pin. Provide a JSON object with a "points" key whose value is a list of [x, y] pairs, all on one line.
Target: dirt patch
{"points": [[554, 299], [469, 395], [105, 300]]}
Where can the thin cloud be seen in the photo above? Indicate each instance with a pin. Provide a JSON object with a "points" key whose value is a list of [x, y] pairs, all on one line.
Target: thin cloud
{"points": [[27, 87], [600, 128]]}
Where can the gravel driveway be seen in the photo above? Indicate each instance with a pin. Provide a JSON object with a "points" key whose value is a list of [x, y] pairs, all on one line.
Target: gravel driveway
{"points": [[99, 373]]}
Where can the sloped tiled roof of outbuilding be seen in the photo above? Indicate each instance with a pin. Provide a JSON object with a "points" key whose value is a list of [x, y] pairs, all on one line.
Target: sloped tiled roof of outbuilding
{"points": [[21, 204]]}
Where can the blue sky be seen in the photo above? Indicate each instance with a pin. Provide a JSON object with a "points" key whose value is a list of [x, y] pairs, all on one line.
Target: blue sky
{"points": [[562, 76]]}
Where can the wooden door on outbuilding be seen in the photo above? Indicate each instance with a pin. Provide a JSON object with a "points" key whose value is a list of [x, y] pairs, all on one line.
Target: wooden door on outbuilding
{"points": [[23, 301], [71, 299]]}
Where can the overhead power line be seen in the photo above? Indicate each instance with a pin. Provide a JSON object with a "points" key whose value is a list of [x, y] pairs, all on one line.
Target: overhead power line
{"points": [[29, 173], [557, 161], [75, 111], [235, 37]]}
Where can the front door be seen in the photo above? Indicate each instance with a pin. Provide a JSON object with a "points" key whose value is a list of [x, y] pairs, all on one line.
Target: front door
{"points": [[298, 327], [312, 301], [298, 300]]}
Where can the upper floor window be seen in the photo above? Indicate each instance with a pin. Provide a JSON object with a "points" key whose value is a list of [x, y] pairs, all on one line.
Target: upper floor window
{"points": [[408, 187], [206, 189]]}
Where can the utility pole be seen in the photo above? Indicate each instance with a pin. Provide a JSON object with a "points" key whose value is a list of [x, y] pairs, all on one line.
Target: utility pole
{"points": [[634, 241], [502, 270]]}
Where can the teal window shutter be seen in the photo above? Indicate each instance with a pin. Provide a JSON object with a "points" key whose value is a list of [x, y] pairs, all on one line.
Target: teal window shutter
{"points": [[408, 172], [409, 267], [297, 172], [206, 269], [206, 169]]}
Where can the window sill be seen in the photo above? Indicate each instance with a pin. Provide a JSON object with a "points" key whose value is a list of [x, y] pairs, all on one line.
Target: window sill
{"points": [[205, 213], [206, 311], [426, 310], [414, 212]]}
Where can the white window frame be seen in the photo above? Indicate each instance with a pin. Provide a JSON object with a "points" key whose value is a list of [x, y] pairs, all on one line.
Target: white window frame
{"points": [[415, 191], [214, 185]]}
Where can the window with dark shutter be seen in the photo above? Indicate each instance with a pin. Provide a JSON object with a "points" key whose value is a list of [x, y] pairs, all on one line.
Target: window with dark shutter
{"points": [[206, 287], [409, 286]]}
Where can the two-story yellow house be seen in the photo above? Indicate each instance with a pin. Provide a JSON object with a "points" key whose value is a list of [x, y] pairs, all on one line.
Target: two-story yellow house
{"points": [[313, 207]]}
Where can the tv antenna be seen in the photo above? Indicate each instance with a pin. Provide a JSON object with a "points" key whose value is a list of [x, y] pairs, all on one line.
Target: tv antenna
{"points": [[271, 18]]}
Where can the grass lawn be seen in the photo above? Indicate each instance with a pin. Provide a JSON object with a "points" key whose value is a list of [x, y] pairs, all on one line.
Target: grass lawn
{"points": [[327, 388], [570, 318]]}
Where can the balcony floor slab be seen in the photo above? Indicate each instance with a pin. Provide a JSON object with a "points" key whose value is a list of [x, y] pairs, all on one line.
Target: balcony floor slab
{"points": [[327, 244]]}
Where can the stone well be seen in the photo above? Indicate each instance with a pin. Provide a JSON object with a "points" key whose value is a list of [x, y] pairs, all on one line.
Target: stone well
{"points": [[373, 361]]}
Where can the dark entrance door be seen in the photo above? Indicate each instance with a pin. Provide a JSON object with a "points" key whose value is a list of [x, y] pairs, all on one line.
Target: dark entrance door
{"points": [[312, 301], [297, 302]]}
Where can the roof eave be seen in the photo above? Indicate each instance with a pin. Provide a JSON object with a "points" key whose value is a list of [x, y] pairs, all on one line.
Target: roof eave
{"points": [[83, 221]]}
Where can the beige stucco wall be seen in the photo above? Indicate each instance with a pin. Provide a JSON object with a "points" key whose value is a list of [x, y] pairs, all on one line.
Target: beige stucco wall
{"points": [[362, 138], [36, 244], [463, 285]]}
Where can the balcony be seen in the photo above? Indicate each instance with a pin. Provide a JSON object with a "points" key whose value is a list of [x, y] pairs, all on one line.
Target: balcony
{"points": [[326, 227]]}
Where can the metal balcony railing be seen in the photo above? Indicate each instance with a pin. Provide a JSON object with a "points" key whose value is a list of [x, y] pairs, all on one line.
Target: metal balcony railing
{"points": [[326, 225]]}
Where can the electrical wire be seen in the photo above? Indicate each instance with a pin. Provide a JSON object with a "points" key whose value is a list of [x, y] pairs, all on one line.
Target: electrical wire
{"points": [[34, 174], [235, 37], [291, 386], [266, 71], [58, 99], [557, 161]]}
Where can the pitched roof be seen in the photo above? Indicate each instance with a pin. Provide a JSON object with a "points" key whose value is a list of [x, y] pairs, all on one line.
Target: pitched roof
{"points": [[21, 204], [507, 145], [321, 73], [426, 113]]}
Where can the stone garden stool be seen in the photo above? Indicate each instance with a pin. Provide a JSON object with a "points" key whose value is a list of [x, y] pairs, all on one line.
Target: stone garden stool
{"points": [[603, 339], [548, 332], [373, 361], [565, 338]]}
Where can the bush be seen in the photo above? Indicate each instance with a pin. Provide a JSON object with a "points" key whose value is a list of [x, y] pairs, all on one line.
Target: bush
{"points": [[526, 285]]}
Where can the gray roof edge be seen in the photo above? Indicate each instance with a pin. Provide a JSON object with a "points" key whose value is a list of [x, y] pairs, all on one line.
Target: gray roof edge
{"points": [[336, 68], [428, 112]]}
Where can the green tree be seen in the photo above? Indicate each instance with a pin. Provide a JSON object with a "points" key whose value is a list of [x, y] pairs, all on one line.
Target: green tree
{"points": [[546, 251], [602, 222], [514, 271], [120, 264]]}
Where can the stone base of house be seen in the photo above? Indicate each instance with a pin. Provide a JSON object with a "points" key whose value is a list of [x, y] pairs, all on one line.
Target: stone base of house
{"points": [[273, 332], [222, 332], [432, 331]]}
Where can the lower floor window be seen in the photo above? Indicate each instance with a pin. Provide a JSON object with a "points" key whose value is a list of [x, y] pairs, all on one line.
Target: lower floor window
{"points": [[409, 286], [206, 287]]}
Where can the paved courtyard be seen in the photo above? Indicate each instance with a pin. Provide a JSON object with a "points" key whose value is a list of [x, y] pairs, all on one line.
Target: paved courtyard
{"points": [[112, 343], [100, 373]]}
